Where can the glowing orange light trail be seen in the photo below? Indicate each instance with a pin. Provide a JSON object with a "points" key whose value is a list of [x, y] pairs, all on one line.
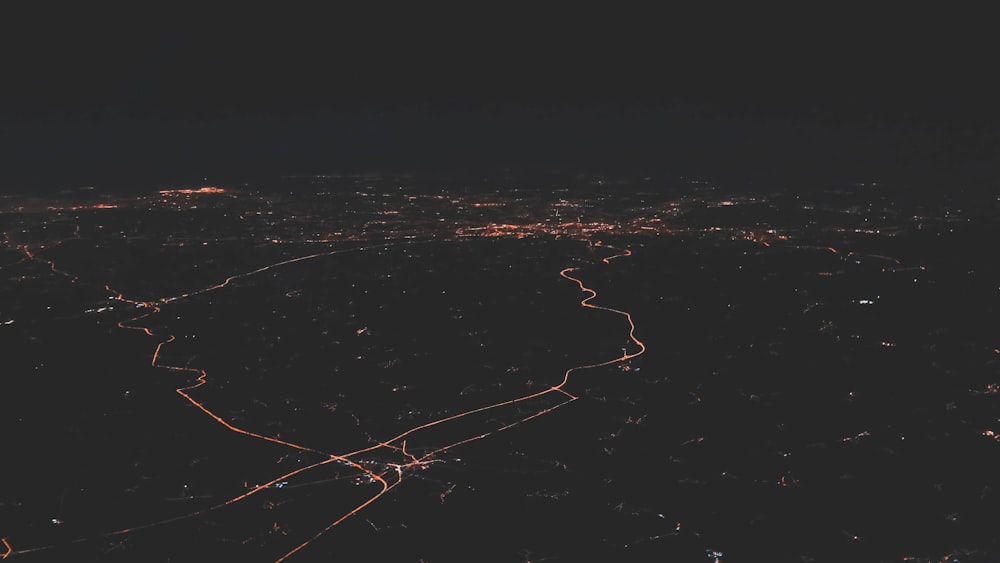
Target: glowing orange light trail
{"points": [[52, 265], [385, 488], [627, 252], [628, 316], [194, 514], [262, 269], [9, 549], [441, 449], [254, 490], [450, 418]]}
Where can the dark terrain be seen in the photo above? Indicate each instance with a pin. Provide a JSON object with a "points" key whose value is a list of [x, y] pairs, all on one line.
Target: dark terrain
{"points": [[819, 380]]}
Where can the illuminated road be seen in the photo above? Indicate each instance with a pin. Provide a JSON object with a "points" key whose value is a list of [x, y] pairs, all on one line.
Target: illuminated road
{"points": [[385, 475], [52, 265]]}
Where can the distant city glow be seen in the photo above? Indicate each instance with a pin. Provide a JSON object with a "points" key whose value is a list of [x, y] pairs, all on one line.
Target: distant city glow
{"points": [[193, 191]]}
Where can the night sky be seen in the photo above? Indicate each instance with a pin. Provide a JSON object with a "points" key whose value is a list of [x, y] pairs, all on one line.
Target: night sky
{"points": [[136, 99]]}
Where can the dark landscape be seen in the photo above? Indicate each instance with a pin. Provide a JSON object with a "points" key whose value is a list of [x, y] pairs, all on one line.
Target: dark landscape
{"points": [[375, 368], [487, 284]]}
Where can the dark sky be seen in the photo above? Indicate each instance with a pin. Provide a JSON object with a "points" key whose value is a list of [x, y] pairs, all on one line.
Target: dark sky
{"points": [[144, 98]]}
